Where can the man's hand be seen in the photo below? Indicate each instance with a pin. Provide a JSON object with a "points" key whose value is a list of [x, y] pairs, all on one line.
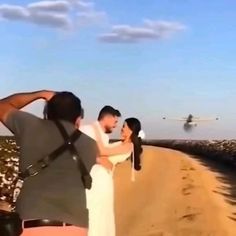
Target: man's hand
{"points": [[5, 206], [47, 94], [105, 163]]}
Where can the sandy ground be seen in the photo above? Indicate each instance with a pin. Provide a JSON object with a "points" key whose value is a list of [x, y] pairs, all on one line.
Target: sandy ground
{"points": [[172, 196]]}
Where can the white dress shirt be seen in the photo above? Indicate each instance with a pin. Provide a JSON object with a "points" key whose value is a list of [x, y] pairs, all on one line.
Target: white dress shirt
{"points": [[89, 130]]}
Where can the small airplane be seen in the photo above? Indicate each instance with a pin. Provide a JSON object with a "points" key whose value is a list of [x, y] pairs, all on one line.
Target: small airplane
{"points": [[191, 120]]}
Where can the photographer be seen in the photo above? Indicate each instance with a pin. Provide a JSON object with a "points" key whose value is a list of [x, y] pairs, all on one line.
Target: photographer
{"points": [[52, 200]]}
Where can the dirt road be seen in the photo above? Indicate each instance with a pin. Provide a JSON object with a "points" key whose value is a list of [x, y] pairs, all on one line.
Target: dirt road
{"points": [[173, 195]]}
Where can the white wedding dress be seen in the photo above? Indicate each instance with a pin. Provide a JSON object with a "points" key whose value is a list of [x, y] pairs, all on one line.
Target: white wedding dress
{"points": [[100, 198]]}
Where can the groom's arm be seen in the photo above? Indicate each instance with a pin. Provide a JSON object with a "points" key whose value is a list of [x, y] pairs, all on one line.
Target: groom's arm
{"points": [[20, 100]]}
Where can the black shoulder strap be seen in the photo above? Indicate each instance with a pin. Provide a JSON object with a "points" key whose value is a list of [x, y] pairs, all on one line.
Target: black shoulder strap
{"points": [[86, 178], [42, 163]]}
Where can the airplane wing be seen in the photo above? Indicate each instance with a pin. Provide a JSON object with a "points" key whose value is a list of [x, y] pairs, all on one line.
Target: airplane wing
{"points": [[176, 119], [205, 119]]}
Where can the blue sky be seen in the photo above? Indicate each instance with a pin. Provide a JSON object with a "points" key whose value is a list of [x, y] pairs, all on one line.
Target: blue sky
{"points": [[164, 58]]}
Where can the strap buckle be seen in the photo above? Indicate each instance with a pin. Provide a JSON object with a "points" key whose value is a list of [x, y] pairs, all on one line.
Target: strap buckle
{"points": [[35, 169], [32, 171]]}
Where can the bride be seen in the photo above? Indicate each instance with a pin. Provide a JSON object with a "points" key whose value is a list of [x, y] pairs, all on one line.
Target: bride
{"points": [[100, 198]]}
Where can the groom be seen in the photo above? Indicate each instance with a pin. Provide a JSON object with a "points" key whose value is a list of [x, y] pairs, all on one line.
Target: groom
{"points": [[107, 121], [100, 197]]}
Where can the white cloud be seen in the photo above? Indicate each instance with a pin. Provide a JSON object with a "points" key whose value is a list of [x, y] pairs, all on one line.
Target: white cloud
{"points": [[61, 14], [51, 20], [165, 28], [151, 30], [54, 6], [13, 12], [90, 18], [85, 6], [87, 14]]}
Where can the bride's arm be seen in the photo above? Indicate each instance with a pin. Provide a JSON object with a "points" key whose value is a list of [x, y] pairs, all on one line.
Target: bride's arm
{"points": [[105, 163], [110, 151]]}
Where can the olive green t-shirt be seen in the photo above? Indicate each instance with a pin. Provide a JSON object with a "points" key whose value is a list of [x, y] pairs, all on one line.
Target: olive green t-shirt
{"points": [[57, 192]]}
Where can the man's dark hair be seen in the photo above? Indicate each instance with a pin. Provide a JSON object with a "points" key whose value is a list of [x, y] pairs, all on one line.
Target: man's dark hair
{"points": [[63, 106], [108, 110]]}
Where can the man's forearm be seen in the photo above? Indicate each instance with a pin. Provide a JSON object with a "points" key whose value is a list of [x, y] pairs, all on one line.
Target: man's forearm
{"points": [[20, 100]]}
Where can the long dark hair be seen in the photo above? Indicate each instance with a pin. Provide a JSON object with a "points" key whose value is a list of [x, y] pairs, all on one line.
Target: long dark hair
{"points": [[135, 126]]}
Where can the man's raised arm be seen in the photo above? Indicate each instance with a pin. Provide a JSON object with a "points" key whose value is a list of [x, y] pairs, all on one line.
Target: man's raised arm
{"points": [[20, 100]]}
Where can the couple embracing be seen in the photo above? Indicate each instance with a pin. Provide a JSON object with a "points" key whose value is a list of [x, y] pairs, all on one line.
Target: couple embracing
{"points": [[100, 198], [65, 183]]}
